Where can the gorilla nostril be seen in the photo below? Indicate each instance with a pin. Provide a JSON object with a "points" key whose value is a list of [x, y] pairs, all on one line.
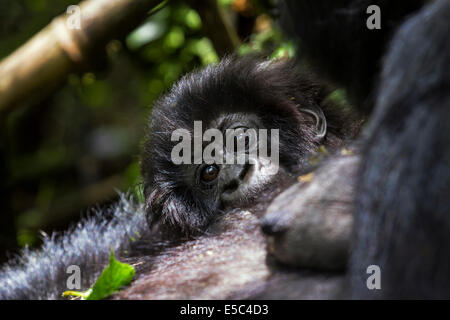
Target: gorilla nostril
{"points": [[272, 227], [231, 187], [244, 171]]}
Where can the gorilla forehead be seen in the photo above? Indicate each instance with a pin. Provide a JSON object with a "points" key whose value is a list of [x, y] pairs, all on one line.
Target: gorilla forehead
{"points": [[234, 85]]}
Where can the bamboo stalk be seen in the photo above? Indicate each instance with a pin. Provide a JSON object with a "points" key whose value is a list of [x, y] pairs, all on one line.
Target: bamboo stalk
{"points": [[56, 50]]}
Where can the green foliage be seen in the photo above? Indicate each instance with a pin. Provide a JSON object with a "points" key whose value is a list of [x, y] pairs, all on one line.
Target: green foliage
{"points": [[74, 149], [339, 99], [225, 2], [269, 41], [115, 276], [286, 49]]}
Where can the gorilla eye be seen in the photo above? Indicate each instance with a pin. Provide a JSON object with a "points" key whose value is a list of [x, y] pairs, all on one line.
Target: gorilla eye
{"points": [[209, 173]]}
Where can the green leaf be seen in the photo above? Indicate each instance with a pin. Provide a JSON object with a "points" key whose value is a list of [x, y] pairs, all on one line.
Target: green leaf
{"points": [[115, 276]]}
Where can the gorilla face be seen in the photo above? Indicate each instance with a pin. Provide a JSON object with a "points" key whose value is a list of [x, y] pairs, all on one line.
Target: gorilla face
{"points": [[238, 98], [239, 162]]}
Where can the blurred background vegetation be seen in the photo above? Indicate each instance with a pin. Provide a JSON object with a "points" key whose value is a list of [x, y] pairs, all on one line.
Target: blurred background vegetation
{"points": [[74, 149]]}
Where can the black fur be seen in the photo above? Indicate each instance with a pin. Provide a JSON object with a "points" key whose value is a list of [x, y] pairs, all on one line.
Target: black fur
{"points": [[403, 205], [402, 220], [335, 35]]}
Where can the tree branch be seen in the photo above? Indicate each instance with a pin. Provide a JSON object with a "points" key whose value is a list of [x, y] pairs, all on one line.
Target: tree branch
{"points": [[51, 54], [217, 26]]}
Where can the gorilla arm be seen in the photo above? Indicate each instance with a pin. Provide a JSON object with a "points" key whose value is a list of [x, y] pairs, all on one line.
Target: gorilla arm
{"points": [[309, 226], [231, 264]]}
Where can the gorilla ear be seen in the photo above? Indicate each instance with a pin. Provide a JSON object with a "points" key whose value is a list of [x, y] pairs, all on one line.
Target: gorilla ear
{"points": [[321, 121]]}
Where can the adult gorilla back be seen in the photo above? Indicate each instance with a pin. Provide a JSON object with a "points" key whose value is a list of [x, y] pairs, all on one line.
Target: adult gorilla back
{"points": [[402, 221]]}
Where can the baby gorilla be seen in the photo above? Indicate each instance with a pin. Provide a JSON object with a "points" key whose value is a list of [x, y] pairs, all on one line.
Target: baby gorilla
{"points": [[203, 205], [244, 93]]}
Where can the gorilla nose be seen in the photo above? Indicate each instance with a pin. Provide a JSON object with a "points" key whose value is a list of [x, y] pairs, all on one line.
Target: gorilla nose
{"points": [[233, 176], [272, 225], [231, 186]]}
